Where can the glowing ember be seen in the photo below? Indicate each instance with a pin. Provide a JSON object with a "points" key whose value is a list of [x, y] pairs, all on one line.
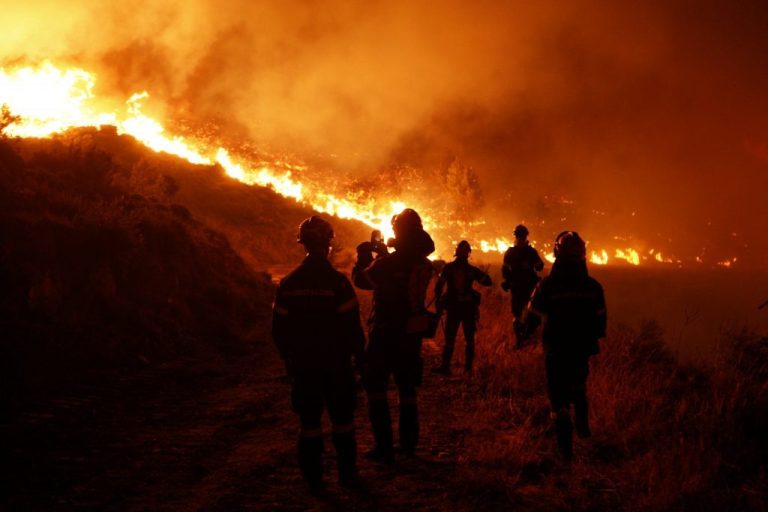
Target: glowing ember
{"points": [[727, 263]]}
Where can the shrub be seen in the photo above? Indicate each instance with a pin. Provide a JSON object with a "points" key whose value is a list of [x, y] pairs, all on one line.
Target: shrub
{"points": [[666, 435]]}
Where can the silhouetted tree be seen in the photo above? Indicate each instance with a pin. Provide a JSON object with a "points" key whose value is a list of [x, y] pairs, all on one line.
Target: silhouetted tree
{"points": [[6, 119]]}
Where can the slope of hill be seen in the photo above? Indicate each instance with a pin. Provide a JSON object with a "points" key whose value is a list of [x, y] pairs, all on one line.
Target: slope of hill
{"points": [[112, 254]]}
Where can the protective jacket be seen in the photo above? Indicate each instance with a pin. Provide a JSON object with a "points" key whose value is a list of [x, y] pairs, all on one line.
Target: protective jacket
{"points": [[316, 317], [399, 282], [460, 276], [521, 263], [572, 305]]}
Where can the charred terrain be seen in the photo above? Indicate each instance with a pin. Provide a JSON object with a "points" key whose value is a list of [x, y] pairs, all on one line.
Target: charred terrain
{"points": [[138, 372]]}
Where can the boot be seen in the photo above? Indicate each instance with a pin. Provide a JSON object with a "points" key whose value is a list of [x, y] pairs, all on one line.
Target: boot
{"points": [[564, 431], [381, 424], [346, 457], [310, 452], [445, 367], [581, 418], [469, 356], [409, 426], [517, 327]]}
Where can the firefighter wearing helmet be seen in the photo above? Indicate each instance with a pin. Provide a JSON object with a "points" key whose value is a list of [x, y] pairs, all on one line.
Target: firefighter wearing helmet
{"points": [[572, 306], [520, 272], [461, 302], [399, 281], [316, 327]]}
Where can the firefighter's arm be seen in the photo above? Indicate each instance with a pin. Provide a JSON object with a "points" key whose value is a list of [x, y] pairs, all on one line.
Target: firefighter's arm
{"points": [[349, 316], [364, 261], [601, 314], [483, 277], [281, 333], [439, 285], [538, 264], [506, 272], [419, 280]]}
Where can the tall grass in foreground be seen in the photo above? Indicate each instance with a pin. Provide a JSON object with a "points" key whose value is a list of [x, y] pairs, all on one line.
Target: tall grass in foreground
{"points": [[665, 435]]}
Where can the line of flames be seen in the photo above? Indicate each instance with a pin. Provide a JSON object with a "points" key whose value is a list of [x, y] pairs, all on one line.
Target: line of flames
{"points": [[49, 100]]}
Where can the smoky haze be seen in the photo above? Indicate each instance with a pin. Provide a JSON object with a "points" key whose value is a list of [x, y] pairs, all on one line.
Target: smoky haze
{"points": [[653, 119]]}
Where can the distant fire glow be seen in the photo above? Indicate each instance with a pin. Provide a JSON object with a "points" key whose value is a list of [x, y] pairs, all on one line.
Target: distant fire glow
{"points": [[49, 100]]}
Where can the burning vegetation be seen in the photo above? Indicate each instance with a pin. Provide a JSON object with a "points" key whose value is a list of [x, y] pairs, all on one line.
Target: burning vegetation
{"points": [[46, 100]]}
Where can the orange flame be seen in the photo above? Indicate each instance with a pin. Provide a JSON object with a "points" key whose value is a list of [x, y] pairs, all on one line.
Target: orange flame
{"points": [[599, 259], [49, 100], [631, 256]]}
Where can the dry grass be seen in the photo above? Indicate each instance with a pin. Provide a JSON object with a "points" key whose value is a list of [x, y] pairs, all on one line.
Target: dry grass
{"points": [[666, 435]]}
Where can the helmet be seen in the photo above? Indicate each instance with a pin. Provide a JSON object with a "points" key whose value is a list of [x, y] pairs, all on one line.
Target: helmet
{"points": [[520, 231], [569, 245], [314, 231], [463, 247], [406, 221]]}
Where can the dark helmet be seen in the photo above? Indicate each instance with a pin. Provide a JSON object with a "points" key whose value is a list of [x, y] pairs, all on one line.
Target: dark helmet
{"points": [[569, 245], [520, 231], [314, 231], [463, 247], [407, 221]]}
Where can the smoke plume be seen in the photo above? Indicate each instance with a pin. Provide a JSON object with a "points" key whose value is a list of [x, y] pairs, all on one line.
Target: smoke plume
{"points": [[647, 117]]}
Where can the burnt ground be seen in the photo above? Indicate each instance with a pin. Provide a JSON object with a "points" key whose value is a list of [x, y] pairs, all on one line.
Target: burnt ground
{"points": [[215, 436]]}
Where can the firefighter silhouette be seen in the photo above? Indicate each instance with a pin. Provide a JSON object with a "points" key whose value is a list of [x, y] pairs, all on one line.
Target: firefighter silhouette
{"points": [[519, 271], [399, 282], [461, 302], [572, 307], [316, 327]]}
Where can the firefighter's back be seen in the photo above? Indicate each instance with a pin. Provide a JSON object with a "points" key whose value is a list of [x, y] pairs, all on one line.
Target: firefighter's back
{"points": [[312, 295]]}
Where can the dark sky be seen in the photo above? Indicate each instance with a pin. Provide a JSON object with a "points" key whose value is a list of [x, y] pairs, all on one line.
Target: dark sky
{"points": [[659, 109]]}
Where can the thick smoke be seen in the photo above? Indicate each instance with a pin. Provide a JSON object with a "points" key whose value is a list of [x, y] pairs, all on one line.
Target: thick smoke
{"points": [[657, 110]]}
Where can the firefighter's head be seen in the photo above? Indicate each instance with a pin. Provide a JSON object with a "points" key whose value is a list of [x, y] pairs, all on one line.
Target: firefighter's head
{"points": [[521, 233], [463, 249], [570, 246], [315, 234], [406, 223]]}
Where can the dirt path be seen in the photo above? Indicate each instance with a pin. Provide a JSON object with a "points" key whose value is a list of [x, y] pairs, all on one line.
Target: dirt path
{"points": [[191, 437]]}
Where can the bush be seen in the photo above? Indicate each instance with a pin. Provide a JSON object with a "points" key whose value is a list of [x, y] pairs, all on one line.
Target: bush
{"points": [[101, 270], [666, 435]]}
